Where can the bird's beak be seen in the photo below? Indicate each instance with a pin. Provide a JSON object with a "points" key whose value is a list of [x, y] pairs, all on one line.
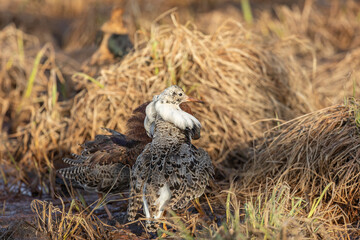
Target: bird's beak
{"points": [[191, 99]]}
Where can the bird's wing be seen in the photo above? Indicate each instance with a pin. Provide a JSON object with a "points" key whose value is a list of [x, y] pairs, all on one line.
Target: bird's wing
{"points": [[108, 149], [189, 173], [104, 163]]}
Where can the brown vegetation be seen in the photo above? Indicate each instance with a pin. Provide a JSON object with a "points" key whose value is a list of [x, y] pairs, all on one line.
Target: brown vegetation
{"points": [[313, 153], [287, 162]]}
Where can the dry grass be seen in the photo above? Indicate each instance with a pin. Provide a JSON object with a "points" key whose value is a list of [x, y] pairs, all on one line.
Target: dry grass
{"points": [[339, 77], [63, 224], [32, 116], [331, 28], [275, 213], [333, 32], [311, 153]]}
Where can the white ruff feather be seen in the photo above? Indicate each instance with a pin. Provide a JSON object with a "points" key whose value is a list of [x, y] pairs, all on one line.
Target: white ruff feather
{"points": [[164, 197], [150, 118], [146, 206], [172, 113]]}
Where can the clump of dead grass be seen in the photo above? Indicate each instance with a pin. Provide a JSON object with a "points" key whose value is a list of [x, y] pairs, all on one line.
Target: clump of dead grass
{"points": [[338, 77], [64, 224], [274, 213], [313, 153], [333, 33], [31, 124], [332, 27], [240, 77]]}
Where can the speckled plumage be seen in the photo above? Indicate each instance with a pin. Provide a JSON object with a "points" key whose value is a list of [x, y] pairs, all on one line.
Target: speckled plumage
{"points": [[169, 173], [103, 165]]}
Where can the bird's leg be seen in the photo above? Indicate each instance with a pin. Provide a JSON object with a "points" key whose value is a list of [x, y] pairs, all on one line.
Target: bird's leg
{"points": [[108, 212], [105, 207], [198, 207], [164, 227]]}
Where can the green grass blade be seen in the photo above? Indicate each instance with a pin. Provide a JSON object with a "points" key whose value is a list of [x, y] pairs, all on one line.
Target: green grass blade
{"points": [[12, 159], [295, 206], [9, 63], [246, 9], [228, 213], [317, 202], [82, 199], [89, 78], [354, 87], [33, 73]]}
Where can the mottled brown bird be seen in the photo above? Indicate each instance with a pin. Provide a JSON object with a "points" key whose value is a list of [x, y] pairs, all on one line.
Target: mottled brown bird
{"points": [[170, 171], [104, 163]]}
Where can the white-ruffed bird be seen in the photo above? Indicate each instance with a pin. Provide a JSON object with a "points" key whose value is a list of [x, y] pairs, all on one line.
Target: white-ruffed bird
{"points": [[170, 171]]}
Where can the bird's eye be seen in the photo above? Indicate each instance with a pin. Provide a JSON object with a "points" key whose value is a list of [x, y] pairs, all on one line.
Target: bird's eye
{"points": [[180, 94]]}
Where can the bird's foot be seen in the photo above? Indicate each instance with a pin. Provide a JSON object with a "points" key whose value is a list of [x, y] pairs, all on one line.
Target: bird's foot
{"points": [[198, 207], [165, 229]]}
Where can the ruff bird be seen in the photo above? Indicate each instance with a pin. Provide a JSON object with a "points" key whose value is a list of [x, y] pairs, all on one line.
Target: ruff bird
{"points": [[170, 172], [104, 163]]}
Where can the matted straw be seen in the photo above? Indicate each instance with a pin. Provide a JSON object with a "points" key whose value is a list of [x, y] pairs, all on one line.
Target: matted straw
{"points": [[332, 28], [339, 77], [334, 34], [312, 153]]}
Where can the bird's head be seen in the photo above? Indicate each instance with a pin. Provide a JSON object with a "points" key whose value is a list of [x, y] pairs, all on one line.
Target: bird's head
{"points": [[174, 95], [167, 106]]}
